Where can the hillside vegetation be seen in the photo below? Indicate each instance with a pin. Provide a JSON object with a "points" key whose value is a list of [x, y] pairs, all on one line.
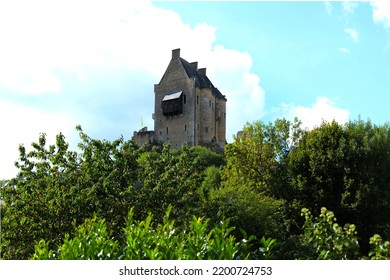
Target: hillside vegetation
{"points": [[277, 192]]}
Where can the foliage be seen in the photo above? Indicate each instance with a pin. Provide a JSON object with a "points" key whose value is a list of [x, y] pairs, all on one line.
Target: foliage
{"points": [[147, 241], [260, 184], [56, 189], [212, 179], [267, 246], [380, 249], [344, 168], [257, 155], [246, 209], [316, 167], [167, 177], [91, 242], [206, 157], [332, 242], [329, 239]]}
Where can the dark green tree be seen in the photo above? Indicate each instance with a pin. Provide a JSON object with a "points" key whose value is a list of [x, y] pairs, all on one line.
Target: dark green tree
{"points": [[169, 177], [344, 168]]}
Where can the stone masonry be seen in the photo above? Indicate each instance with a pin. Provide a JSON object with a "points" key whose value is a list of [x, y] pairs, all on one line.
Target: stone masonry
{"points": [[189, 110]]}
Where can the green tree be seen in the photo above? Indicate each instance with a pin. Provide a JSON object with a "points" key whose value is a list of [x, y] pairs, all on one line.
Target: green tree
{"points": [[257, 156], [56, 189], [212, 179], [344, 168], [254, 179], [169, 177], [367, 190], [246, 209], [316, 168]]}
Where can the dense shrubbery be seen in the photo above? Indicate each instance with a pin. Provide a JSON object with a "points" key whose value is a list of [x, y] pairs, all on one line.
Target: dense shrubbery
{"points": [[62, 198], [145, 240]]}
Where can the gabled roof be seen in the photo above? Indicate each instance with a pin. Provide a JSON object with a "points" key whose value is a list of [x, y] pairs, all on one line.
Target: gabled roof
{"points": [[202, 81]]}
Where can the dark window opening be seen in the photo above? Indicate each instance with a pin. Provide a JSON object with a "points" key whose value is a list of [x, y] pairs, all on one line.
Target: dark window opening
{"points": [[172, 104], [167, 130]]}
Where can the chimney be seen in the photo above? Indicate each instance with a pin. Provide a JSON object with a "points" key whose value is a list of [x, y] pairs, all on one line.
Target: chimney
{"points": [[202, 71], [195, 65], [175, 54]]}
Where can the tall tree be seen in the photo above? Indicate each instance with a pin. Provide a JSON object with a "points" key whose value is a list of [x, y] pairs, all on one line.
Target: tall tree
{"points": [[345, 169]]}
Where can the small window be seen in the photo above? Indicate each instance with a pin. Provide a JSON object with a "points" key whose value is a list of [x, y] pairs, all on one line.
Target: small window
{"points": [[197, 100], [185, 127], [167, 130], [184, 99], [209, 103], [197, 127], [206, 129]]}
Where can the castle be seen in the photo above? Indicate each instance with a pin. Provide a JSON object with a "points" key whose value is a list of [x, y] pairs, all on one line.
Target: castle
{"points": [[188, 109]]}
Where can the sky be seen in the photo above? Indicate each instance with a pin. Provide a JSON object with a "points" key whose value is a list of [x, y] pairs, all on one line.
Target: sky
{"points": [[95, 63]]}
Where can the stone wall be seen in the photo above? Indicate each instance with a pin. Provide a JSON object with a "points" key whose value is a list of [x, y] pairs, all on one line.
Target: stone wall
{"points": [[203, 118]]}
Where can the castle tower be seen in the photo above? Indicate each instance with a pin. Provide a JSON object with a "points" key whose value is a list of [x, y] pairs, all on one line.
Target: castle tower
{"points": [[188, 109]]}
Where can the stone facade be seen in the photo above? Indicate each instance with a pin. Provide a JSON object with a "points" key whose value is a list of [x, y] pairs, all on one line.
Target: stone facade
{"points": [[189, 110]]}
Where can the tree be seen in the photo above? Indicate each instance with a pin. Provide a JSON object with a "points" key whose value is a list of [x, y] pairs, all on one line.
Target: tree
{"points": [[168, 177], [57, 189], [344, 168], [246, 209], [257, 156], [316, 168]]}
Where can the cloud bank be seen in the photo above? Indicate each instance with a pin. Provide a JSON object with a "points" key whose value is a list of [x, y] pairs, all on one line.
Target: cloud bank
{"points": [[381, 12]]}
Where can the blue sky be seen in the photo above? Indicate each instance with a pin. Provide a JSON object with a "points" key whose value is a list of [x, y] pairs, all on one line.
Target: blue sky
{"points": [[94, 63]]}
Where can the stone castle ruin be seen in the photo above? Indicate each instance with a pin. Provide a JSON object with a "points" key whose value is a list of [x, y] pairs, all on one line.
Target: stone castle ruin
{"points": [[188, 109]]}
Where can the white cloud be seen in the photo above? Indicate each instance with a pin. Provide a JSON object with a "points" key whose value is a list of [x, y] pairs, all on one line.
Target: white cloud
{"points": [[349, 6], [322, 110], [353, 33], [100, 59], [381, 12], [345, 50], [329, 7], [230, 71], [22, 125]]}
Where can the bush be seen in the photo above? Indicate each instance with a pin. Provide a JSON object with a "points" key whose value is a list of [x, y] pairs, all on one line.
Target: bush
{"points": [[146, 241]]}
